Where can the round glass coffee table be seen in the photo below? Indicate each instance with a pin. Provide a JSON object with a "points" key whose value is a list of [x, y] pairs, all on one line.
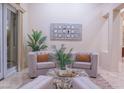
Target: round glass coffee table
{"points": [[63, 78]]}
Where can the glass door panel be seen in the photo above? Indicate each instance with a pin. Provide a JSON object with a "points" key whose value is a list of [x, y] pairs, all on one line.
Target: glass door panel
{"points": [[11, 39], [1, 38]]}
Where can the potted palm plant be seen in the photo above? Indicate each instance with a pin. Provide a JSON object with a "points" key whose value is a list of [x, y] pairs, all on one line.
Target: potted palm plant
{"points": [[37, 41], [62, 57]]}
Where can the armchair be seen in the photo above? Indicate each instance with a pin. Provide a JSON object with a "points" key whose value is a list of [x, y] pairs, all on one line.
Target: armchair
{"points": [[39, 68], [90, 67]]}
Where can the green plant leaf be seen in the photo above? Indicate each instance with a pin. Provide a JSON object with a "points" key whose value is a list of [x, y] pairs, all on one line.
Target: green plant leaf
{"points": [[43, 46], [36, 40], [62, 57], [42, 40]]}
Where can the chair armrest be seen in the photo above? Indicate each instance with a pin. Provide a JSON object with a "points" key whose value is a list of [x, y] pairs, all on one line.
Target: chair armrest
{"points": [[94, 61], [32, 64]]}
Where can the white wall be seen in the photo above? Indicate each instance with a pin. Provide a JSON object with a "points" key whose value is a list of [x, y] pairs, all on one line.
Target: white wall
{"points": [[41, 15], [97, 34], [25, 31], [111, 59], [25, 20]]}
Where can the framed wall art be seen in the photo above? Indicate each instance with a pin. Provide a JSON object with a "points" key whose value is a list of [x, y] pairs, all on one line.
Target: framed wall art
{"points": [[65, 31]]}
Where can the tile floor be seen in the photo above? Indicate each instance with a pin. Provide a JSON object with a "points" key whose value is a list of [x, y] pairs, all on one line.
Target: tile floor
{"points": [[15, 81], [115, 79]]}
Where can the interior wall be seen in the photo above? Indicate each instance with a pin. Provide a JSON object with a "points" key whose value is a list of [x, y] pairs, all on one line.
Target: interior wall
{"points": [[122, 28], [41, 15], [94, 27], [25, 32], [104, 45], [116, 40], [122, 37], [97, 31], [112, 58]]}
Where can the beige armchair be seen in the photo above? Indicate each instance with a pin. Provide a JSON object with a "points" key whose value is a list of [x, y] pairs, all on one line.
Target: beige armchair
{"points": [[90, 67], [39, 68]]}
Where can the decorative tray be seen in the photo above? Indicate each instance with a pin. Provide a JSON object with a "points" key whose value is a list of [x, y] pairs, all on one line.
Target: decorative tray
{"points": [[66, 73]]}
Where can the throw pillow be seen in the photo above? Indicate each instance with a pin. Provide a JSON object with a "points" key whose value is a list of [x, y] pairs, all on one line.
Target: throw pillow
{"points": [[83, 57], [42, 58]]}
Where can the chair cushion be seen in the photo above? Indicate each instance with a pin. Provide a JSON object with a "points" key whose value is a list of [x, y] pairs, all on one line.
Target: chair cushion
{"points": [[83, 57], [83, 65], [42, 57], [46, 65]]}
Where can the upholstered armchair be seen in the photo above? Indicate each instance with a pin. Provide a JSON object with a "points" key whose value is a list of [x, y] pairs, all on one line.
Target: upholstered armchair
{"points": [[87, 61], [36, 67]]}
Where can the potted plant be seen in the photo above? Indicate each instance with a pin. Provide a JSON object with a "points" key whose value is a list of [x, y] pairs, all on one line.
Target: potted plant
{"points": [[36, 41], [62, 57]]}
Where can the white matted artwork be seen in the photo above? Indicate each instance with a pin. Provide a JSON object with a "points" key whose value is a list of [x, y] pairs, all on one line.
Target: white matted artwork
{"points": [[65, 31]]}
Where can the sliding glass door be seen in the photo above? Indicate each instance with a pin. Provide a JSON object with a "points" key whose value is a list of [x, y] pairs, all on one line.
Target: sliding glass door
{"points": [[10, 39], [1, 55]]}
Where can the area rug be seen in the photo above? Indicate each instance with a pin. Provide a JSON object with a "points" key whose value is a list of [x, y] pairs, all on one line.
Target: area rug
{"points": [[100, 81], [21, 78]]}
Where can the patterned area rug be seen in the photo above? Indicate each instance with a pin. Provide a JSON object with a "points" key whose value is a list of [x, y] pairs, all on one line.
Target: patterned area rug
{"points": [[100, 81], [22, 78]]}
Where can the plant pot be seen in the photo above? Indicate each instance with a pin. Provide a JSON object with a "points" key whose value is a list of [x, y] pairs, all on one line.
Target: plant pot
{"points": [[63, 67]]}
